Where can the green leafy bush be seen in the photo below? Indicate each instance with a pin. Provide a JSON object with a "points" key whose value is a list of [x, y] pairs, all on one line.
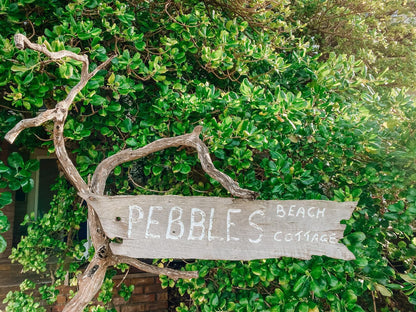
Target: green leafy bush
{"points": [[277, 118]]}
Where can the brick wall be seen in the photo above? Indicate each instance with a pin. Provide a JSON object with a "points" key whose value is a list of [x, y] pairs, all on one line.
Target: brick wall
{"points": [[9, 209], [8, 236], [148, 295]]}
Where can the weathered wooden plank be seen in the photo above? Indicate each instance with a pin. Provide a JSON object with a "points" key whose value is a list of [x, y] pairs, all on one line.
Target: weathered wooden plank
{"points": [[222, 228]]}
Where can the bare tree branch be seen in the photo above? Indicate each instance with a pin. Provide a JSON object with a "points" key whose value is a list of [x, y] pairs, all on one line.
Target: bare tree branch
{"points": [[22, 42], [191, 139], [173, 274], [89, 284], [60, 112], [91, 280], [29, 123]]}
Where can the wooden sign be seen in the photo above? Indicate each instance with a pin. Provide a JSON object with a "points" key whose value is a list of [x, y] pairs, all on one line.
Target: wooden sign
{"points": [[152, 226]]}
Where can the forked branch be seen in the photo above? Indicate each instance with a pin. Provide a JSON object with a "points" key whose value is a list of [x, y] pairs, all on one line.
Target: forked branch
{"points": [[60, 112], [192, 140], [90, 281]]}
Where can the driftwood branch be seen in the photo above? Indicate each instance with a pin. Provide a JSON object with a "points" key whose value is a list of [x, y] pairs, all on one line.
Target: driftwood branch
{"points": [[173, 274], [59, 114], [192, 140], [29, 123], [89, 284], [91, 280]]}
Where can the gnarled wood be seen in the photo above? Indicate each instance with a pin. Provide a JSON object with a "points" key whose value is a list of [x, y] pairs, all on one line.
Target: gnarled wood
{"points": [[91, 280], [29, 123], [222, 228], [192, 140], [89, 284], [173, 274]]}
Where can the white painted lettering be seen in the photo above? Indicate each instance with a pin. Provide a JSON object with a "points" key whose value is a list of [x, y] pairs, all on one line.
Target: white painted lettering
{"points": [[320, 213], [151, 221], [197, 224], [135, 215], [311, 213], [276, 236], [174, 233], [315, 238], [229, 224], [307, 235], [211, 222], [297, 235], [291, 212], [310, 237], [280, 211], [324, 238], [300, 212], [256, 226], [288, 237], [332, 238]]}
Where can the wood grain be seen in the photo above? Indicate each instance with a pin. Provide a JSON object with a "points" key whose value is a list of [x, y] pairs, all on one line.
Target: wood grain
{"points": [[153, 226]]}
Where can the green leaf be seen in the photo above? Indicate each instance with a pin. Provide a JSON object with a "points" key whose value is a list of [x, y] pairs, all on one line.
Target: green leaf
{"points": [[157, 170], [303, 307], [362, 262], [83, 160], [177, 167], [299, 283], [126, 125], [246, 87], [4, 223], [28, 78], [5, 199], [383, 290], [19, 68], [4, 168], [214, 300], [397, 207], [185, 169], [357, 237], [114, 107], [131, 142], [112, 78], [14, 185], [105, 131], [98, 100], [117, 170], [3, 244], [66, 70], [32, 165], [27, 185], [15, 160]]}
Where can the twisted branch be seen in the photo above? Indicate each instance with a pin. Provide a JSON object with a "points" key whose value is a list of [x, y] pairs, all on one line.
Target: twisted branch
{"points": [[192, 140], [60, 112], [91, 280]]}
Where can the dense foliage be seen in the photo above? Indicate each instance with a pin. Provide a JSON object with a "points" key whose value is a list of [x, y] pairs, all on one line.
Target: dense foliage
{"points": [[382, 34], [278, 118]]}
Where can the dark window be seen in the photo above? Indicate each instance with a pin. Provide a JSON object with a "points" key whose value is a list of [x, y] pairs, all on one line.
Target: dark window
{"points": [[38, 200]]}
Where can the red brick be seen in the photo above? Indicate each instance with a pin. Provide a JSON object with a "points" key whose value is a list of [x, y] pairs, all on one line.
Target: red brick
{"points": [[8, 236], [60, 299], [157, 306], [58, 308], [143, 280], [138, 290], [117, 301], [134, 308], [142, 298], [153, 289], [162, 296]]}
